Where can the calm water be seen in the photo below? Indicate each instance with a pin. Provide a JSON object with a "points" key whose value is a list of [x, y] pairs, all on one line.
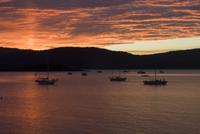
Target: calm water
{"points": [[94, 105]]}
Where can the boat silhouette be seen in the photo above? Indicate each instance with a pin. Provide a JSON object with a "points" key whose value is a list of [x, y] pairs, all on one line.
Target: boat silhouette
{"points": [[118, 79], [84, 74], [46, 81], [155, 81], [99, 72], [145, 75], [141, 72], [69, 73]]}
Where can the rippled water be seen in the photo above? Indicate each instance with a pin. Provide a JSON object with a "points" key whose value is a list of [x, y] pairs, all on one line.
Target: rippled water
{"points": [[94, 105]]}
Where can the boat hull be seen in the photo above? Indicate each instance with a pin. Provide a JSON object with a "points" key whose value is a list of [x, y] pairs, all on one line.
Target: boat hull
{"points": [[118, 79], [156, 82], [46, 82], [141, 72], [84, 74]]}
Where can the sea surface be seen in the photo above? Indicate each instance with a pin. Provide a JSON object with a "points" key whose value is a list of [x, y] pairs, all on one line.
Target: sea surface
{"points": [[93, 105]]}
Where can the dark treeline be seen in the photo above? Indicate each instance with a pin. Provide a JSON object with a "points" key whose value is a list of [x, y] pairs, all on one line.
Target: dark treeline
{"points": [[68, 58]]}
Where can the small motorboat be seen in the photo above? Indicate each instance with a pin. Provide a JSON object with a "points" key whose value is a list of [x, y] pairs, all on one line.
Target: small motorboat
{"points": [[46, 81], [145, 75], [118, 79], [69, 73], [141, 72], [162, 72], [84, 74], [125, 71], [99, 72]]}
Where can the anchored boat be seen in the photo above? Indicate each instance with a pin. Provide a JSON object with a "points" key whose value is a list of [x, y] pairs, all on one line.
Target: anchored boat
{"points": [[46, 81], [156, 81], [118, 79]]}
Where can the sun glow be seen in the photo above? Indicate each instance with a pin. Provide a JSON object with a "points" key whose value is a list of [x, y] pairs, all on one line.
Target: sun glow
{"points": [[159, 46]]}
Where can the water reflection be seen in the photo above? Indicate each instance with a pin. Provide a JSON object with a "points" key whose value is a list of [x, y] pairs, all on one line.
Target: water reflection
{"points": [[93, 104]]}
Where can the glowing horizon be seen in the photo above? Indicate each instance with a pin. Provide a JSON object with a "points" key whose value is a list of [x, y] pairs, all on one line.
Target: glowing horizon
{"points": [[153, 47]]}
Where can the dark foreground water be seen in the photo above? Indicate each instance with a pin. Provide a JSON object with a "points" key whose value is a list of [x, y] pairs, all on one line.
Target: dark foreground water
{"points": [[94, 105]]}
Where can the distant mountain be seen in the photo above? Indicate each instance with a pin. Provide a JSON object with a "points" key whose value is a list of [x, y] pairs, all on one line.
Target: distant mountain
{"points": [[71, 58]]}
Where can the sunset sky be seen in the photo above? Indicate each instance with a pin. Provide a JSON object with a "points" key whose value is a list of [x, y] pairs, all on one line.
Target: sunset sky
{"points": [[135, 26]]}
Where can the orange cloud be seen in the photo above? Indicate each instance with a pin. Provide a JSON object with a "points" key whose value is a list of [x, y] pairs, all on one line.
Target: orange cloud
{"points": [[37, 24]]}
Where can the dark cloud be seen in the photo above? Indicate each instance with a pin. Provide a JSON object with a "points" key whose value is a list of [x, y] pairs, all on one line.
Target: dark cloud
{"points": [[44, 4]]}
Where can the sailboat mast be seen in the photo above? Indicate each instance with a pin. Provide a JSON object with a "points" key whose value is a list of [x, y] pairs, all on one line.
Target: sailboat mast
{"points": [[48, 66], [155, 74]]}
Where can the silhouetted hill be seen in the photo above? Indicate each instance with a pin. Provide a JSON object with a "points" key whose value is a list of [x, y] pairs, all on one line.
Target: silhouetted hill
{"points": [[69, 58]]}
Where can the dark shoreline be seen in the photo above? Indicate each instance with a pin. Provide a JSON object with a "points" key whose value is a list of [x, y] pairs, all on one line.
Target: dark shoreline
{"points": [[134, 69], [77, 59]]}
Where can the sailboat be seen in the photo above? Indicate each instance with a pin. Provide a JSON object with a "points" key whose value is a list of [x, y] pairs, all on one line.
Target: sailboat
{"points": [[156, 82], [46, 80]]}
